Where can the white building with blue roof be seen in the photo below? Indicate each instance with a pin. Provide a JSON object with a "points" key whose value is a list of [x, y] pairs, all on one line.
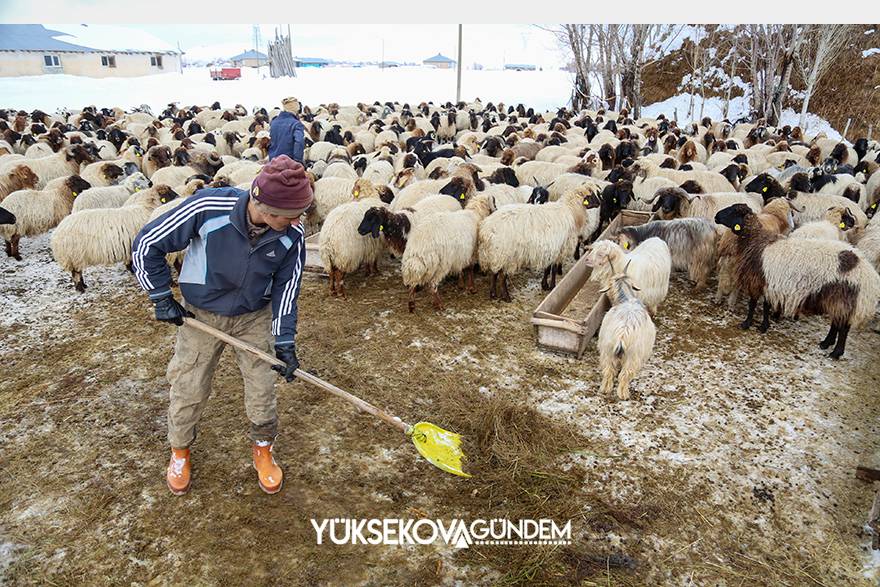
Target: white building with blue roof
{"points": [[86, 50]]}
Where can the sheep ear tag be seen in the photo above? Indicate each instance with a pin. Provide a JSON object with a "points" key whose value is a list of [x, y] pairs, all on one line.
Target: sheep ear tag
{"points": [[764, 189], [75, 195], [461, 196], [626, 245], [357, 193], [842, 226], [737, 227], [381, 227]]}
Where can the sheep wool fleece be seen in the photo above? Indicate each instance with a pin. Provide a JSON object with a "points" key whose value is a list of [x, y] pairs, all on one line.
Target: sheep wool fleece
{"points": [[196, 355]]}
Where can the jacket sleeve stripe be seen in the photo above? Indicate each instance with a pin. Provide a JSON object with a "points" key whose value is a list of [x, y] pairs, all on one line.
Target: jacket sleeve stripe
{"points": [[293, 284], [288, 298], [171, 223]]}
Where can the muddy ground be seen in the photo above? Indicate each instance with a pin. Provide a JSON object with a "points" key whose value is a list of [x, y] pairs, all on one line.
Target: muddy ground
{"points": [[732, 464]]}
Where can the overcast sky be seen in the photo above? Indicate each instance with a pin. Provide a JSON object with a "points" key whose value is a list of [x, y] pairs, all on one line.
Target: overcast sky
{"points": [[489, 45]]}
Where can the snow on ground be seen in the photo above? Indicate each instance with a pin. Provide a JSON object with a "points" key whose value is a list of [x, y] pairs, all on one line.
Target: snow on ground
{"points": [[346, 85], [739, 106], [714, 108], [814, 124]]}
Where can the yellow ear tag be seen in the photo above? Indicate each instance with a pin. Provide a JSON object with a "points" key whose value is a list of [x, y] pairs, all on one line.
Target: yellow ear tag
{"points": [[137, 154], [737, 227], [625, 245], [586, 202], [842, 225], [874, 205], [357, 193], [74, 194], [764, 189], [137, 189], [163, 200], [381, 227], [461, 196]]}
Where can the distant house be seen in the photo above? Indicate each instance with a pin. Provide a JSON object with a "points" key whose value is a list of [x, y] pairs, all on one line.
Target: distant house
{"points": [[86, 50], [520, 66], [250, 59], [440, 61], [310, 62]]}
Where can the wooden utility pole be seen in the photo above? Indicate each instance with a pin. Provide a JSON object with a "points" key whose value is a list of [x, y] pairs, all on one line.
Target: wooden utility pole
{"points": [[458, 83]]}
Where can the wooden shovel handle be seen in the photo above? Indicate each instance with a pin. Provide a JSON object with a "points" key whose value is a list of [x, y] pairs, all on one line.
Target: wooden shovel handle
{"points": [[316, 381]]}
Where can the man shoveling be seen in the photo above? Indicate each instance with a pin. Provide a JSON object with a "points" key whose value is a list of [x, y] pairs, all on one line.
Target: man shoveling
{"points": [[241, 275]]}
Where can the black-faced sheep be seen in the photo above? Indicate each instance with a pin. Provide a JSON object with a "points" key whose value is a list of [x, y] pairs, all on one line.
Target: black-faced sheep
{"points": [[798, 276], [38, 211], [104, 236]]}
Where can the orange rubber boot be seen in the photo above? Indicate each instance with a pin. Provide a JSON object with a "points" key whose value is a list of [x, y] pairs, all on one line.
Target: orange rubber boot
{"points": [[178, 474], [268, 472]]}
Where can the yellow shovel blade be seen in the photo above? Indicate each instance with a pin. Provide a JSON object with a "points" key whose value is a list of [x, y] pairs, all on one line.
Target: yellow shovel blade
{"points": [[441, 447]]}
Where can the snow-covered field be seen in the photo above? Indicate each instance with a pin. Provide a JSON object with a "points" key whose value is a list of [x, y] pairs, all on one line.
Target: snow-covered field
{"points": [[345, 85], [547, 89]]}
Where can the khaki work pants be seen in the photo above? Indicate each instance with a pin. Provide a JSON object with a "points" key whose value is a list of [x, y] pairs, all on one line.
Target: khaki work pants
{"points": [[196, 355]]}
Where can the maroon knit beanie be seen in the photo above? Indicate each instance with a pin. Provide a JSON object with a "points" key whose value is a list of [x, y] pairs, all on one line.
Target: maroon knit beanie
{"points": [[283, 188]]}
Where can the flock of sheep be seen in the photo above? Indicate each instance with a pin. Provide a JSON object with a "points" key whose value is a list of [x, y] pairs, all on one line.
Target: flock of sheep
{"points": [[784, 217]]}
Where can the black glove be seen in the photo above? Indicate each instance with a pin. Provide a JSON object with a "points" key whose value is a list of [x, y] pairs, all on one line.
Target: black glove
{"points": [[169, 310], [286, 353]]}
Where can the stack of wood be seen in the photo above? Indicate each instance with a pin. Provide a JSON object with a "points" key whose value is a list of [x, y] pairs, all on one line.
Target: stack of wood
{"points": [[281, 57]]}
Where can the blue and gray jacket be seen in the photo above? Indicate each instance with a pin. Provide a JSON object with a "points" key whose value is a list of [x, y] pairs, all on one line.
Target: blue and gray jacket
{"points": [[287, 137], [222, 272]]}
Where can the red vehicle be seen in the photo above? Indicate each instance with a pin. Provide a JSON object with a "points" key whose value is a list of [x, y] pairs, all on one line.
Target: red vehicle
{"points": [[226, 73]]}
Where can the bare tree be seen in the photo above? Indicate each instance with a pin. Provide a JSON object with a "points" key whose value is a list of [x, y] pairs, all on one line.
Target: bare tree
{"points": [[700, 56], [792, 37], [821, 44], [733, 54]]}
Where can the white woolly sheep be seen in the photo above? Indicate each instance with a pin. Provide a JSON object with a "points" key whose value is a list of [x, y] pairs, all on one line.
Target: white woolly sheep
{"points": [[835, 226], [648, 266], [379, 172], [869, 244], [644, 190], [105, 173], [526, 236], [443, 244], [329, 193], [709, 181], [813, 207], [626, 338], [340, 169], [20, 173], [104, 236], [342, 249], [110, 196], [38, 211]]}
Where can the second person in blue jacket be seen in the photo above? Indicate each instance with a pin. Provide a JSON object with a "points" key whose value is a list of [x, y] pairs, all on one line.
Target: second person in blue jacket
{"points": [[287, 133]]}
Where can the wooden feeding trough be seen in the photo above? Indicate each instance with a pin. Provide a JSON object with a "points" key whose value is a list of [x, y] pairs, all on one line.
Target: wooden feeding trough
{"points": [[571, 314], [313, 256]]}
